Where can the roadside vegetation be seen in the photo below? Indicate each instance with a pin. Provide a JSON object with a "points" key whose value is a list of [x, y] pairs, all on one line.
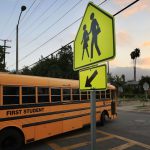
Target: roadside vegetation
{"points": [[60, 65]]}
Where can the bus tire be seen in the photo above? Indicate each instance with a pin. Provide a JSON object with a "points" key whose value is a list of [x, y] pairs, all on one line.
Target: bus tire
{"points": [[103, 119], [11, 139]]}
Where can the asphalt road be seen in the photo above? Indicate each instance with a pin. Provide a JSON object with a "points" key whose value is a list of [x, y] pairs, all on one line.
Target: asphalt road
{"points": [[131, 131], [132, 125]]}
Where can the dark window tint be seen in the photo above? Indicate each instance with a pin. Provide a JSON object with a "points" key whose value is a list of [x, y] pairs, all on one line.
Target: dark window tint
{"points": [[55, 92], [28, 99], [43, 98], [10, 95], [98, 95], [89, 95], [28, 95], [56, 98], [55, 95], [75, 91], [75, 94], [43, 94], [66, 94], [10, 100], [84, 95], [43, 90], [102, 94], [28, 90], [10, 90], [108, 94]]}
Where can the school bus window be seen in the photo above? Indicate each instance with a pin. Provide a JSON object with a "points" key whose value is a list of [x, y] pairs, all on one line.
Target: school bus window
{"points": [[84, 95], [43, 94], [98, 95], [89, 95], [66, 94], [75, 94], [102, 94], [28, 95], [55, 95], [10, 95], [107, 93]]}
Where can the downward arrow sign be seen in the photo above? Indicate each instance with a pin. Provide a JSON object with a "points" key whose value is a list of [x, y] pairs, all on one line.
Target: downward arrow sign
{"points": [[90, 79]]}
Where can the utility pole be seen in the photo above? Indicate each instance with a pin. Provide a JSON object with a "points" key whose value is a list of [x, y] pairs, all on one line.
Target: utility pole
{"points": [[5, 46]]}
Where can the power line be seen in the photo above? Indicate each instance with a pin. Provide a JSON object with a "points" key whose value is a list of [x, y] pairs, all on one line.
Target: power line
{"points": [[53, 37], [14, 29], [34, 10], [50, 39], [45, 19], [49, 55], [74, 23], [126, 7], [35, 20], [38, 36], [28, 10], [10, 17]]}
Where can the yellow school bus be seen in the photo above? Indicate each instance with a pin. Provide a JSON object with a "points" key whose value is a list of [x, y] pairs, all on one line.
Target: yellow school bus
{"points": [[33, 108]]}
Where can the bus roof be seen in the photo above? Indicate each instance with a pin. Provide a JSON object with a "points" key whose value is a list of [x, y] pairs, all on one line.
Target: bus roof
{"points": [[26, 80]]}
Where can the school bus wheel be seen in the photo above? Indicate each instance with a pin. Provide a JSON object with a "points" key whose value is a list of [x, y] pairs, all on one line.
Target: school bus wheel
{"points": [[11, 139], [103, 117]]}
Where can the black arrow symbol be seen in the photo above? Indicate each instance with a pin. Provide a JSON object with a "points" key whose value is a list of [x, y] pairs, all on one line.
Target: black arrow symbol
{"points": [[89, 80]]}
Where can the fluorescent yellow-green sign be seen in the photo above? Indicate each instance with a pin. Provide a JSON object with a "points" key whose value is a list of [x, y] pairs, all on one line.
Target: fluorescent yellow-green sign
{"points": [[95, 40], [93, 79]]}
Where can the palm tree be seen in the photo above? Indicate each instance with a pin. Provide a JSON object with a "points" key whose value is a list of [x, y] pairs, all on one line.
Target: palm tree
{"points": [[134, 54]]}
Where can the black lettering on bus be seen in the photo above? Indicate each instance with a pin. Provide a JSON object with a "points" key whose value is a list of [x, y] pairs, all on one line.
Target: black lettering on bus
{"points": [[13, 112], [34, 110]]}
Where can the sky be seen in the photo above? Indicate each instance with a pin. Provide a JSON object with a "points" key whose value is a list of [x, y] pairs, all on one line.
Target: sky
{"points": [[47, 25]]}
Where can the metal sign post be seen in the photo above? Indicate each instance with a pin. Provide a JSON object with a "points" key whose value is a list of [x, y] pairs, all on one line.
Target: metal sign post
{"points": [[93, 120], [94, 43]]}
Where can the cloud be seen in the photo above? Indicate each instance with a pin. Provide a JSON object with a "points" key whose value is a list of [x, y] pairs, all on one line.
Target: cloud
{"points": [[114, 63], [146, 44], [144, 62], [120, 2], [123, 38], [139, 6]]}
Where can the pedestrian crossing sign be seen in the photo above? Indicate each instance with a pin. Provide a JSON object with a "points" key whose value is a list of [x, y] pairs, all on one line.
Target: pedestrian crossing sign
{"points": [[95, 39], [94, 78]]}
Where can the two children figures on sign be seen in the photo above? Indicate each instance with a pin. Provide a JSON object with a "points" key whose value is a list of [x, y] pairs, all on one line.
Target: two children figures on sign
{"points": [[95, 30]]}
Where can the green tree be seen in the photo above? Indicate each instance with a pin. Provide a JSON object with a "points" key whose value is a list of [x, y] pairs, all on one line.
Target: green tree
{"points": [[117, 80], [26, 70], [134, 55], [59, 65]]}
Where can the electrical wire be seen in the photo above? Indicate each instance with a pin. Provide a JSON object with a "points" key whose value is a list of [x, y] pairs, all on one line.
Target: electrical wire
{"points": [[49, 55], [39, 35], [45, 19], [53, 37], [36, 19], [33, 10], [14, 29], [49, 39], [10, 17], [27, 11], [71, 25]]}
